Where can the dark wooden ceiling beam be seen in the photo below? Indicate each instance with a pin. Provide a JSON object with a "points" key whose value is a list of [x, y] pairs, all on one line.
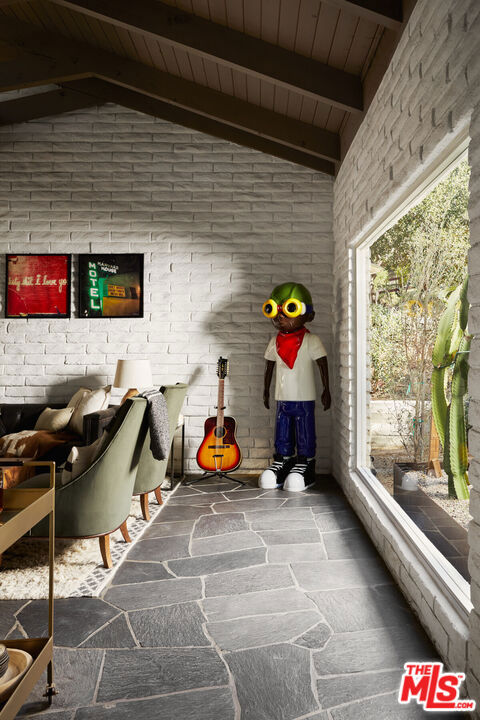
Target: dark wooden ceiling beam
{"points": [[228, 47], [27, 71], [39, 105], [88, 60], [388, 13], [104, 91]]}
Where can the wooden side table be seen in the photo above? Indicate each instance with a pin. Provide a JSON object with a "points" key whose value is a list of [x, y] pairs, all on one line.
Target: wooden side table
{"points": [[22, 509]]}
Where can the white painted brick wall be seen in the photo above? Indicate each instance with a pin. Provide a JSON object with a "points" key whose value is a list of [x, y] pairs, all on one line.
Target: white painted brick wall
{"points": [[428, 92], [220, 225]]}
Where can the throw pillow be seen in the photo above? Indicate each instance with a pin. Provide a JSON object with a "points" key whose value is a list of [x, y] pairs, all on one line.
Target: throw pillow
{"points": [[80, 458], [54, 420], [90, 401], [77, 397]]}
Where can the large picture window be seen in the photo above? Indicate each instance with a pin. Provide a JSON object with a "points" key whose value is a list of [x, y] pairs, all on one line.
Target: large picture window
{"points": [[412, 368]]}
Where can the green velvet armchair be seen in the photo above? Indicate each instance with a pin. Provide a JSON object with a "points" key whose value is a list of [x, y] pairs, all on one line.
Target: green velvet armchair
{"points": [[151, 472], [97, 502]]}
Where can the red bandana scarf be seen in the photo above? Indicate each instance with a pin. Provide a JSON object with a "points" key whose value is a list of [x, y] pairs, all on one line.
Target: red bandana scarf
{"points": [[288, 345]]}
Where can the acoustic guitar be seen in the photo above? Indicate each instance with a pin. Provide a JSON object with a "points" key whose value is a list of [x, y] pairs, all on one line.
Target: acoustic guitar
{"points": [[219, 451]]}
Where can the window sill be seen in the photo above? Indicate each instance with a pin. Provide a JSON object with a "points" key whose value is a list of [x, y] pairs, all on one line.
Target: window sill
{"points": [[454, 587]]}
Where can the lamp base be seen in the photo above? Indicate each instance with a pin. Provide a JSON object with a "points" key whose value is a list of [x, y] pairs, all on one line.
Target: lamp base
{"points": [[130, 393]]}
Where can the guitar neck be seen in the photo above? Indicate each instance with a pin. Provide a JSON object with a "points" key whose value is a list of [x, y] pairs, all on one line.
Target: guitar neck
{"points": [[220, 402]]}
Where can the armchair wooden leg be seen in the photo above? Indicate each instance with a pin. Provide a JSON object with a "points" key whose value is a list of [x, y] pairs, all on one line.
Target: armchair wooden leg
{"points": [[158, 495], [124, 531], [105, 550], [144, 506]]}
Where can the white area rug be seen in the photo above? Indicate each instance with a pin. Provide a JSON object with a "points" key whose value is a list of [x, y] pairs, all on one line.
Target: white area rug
{"points": [[79, 568]]}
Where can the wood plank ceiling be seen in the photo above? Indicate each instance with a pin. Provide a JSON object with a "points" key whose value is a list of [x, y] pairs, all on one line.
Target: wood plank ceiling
{"points": [[289, 77]]}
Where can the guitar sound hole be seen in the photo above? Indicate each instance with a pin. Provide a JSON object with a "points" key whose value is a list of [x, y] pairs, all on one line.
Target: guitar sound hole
{"points": [[219, 432]]}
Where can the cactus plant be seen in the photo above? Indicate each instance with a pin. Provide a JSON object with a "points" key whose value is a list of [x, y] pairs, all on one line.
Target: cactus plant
{"points": [[451, 349]]}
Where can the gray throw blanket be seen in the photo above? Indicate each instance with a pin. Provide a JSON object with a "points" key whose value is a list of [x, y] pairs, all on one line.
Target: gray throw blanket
{"points": [[158, 423]]}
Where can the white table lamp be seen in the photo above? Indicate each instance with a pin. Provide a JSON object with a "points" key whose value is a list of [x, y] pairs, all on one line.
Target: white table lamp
{"points": [[133, 374]]}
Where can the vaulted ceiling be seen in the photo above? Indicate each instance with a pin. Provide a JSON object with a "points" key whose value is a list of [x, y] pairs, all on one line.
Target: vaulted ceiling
{"points": [[292, 78]]}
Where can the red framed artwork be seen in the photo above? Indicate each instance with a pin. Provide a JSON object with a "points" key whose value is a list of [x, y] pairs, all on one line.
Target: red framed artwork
{"points": [[38, 286]]}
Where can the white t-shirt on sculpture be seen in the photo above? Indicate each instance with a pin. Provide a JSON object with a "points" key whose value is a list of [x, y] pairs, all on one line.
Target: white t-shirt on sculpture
{"points": [[296, 384]]}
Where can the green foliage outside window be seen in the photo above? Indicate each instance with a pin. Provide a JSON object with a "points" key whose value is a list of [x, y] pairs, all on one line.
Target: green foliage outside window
{"points": [[415, 267]]}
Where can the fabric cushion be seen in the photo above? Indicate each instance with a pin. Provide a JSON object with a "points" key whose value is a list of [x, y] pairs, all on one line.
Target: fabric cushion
{"points": [[89, 401], [54, 420], [30, 444], [78, 397], [80, 458]]}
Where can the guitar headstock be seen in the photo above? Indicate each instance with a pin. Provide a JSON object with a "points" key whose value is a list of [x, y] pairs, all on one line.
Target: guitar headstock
{"points": [[222, 368]]}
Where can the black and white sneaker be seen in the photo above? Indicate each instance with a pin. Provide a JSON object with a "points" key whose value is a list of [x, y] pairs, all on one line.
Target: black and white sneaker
{"points": [[274, 476], [301, 476]]}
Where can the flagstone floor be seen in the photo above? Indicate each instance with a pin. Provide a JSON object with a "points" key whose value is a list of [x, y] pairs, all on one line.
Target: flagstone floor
{"points": [[237, 603]]}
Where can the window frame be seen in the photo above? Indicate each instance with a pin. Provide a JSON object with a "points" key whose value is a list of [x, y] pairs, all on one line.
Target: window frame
{"points": [[449, 580]]}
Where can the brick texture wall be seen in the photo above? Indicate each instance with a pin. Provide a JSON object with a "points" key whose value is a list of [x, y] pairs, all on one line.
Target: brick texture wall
{"points": [[219, 226], [425, 98]]}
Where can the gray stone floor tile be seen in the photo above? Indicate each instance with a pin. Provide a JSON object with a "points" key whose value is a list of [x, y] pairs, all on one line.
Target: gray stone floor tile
{"points": [[246, 494], [219, 525], [322, 500], [349, 544], [186, 490], [180, 512], [347, 688], [280, 519], [280, 493], [170, 626], [391, 594], [379, 649], [256, 603], [247, 505], [339, 520], [7, 615], [386, 707], [160, 549], [273, 683], [248, 632], [353, 609], [335, 574], [212, 487], [114, 635], [209, 564], [264, 577], [296, 553], [76, 674], [242, 540], [316, 638], [159, 528], [198, 499], [289, 537], [141, 673], [286, 620], [154, 594], [214, 704], [286, 523], [75, 619], [137, 572]]}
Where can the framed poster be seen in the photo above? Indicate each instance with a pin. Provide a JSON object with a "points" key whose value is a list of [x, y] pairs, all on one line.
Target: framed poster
{"points": [[38, 286], [111, 286]]}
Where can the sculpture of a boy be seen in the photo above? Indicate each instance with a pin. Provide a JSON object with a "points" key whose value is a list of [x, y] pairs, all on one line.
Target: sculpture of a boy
{"points": [[294, 352]]}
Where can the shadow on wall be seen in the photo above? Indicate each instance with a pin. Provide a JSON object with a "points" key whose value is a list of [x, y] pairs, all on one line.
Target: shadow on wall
{"points": [[241, 333]]}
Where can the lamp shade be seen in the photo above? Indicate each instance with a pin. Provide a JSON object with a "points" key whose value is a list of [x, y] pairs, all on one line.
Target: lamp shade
{"points": [[133, 374]]}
